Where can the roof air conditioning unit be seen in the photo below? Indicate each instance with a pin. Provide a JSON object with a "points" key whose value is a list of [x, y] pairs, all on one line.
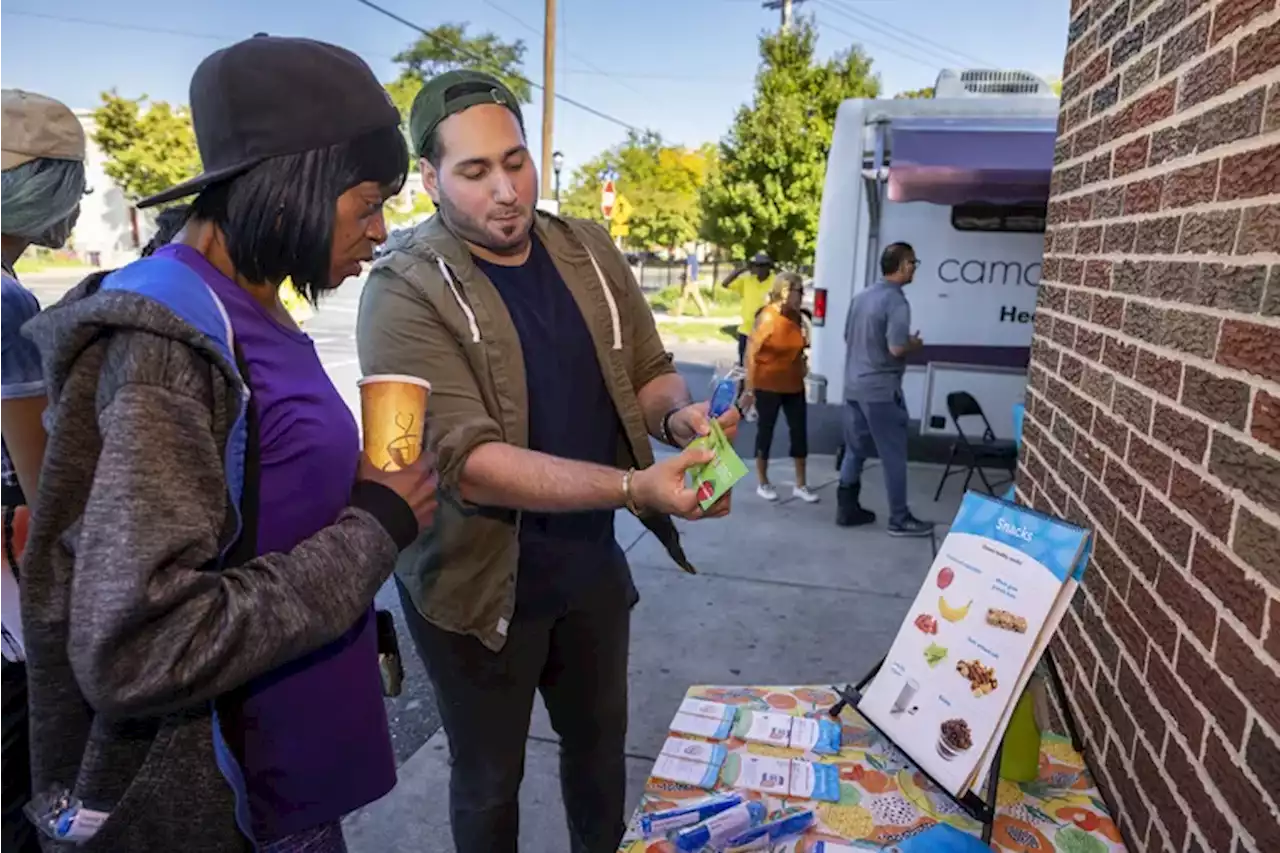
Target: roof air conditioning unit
{"points": [[984, 82]]}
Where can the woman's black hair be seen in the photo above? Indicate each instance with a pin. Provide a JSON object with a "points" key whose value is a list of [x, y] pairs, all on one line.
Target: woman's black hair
{"points": [[168, 223], [278, 217]]}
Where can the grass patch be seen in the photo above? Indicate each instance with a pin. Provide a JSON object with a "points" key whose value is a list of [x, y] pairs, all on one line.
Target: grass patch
{"points": [[708, 330], [41, 260], [720, 302]]}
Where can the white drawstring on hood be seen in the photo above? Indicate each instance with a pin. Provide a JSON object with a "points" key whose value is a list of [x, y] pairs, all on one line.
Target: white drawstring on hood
{"points": [[614, 317]]}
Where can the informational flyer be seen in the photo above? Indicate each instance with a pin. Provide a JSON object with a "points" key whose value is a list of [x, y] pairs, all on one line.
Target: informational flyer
{"points": [[991, 600]]}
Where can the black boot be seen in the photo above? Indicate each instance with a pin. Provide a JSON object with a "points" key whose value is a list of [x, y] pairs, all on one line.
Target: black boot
{"points": [[848, 512]]}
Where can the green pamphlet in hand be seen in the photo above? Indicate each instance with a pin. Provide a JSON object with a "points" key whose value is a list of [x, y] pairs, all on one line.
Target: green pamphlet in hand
{"points": [[714, 479]]}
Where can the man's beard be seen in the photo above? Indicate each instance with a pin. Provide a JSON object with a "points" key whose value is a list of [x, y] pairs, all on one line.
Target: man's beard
{"points": [[473, 231]]}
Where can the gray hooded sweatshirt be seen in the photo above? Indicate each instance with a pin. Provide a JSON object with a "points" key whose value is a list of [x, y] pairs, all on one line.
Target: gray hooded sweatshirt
{"points": [[134, 633]]}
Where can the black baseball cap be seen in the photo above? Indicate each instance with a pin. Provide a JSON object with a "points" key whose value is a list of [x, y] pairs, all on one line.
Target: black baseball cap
{"points": [[269, 96], [451, 93]]}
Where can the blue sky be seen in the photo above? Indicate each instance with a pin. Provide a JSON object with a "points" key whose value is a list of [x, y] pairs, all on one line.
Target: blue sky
{"points": [[681, 67]]}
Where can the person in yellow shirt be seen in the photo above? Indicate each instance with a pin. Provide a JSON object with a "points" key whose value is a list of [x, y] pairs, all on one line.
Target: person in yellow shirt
{"points": [[753, 283], [776, 367]]}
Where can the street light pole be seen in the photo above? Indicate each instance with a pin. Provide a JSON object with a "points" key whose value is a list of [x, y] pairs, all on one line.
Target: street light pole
{"points": [[548, 90], [557, 163]]}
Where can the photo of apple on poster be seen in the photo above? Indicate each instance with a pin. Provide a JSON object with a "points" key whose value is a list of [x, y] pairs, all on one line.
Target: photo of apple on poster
{"points": [[990, 601]]}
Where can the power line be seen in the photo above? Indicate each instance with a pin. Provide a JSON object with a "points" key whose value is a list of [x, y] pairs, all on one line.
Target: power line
{"points": [[896, 31], [559, 97], [537, 32], [931, 64]]}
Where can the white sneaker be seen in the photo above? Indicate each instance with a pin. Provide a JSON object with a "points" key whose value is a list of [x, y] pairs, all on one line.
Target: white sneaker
{"points": [[767, 492], [804, 494], [752, 415]]}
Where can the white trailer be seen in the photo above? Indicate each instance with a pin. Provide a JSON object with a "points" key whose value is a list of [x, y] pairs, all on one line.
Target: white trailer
{"points": [[964, 178]]}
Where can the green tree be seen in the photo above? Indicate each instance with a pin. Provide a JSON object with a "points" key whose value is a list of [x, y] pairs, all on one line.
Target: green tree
{"points": [[149, 145], [766, 189], [926, 92], [400, 212], [448, 47], [661, 183]]}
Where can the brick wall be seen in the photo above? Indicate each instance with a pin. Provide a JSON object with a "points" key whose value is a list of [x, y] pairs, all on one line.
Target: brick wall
{"points": [[1154, 411]]}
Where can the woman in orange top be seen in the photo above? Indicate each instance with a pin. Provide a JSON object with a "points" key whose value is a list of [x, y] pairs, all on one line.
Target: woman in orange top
{"points": [[776, 367]]}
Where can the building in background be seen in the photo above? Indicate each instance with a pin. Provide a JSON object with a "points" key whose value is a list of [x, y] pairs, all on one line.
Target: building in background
{"points": [[110, 230], [1153, 412]]}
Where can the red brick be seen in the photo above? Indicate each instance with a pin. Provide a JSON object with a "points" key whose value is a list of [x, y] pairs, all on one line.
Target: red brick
{"points": [[1119, 237], [1212, 691], [1257, 542], [1112, 433], [1108, 561], [1100, 505], [1172, 143], [1148, 109], [1136, 692], [1119, 356], [1098, 169], [1071, 272], [1089, 344], [1259, 229], [1242, 595], [1252, 678], [1187, 436], [1271, 121], [1206, 503], [1251, 347], [1231, 15], [1262, 754], [1158, 236], [1207, 79], [1097, 275], [1240, 466], [1097, 384], [1108, 203], [1273, 632], [1079, 208], [1210, 233], [1233, 288], [1159, 373], [1126, 629], [1114, 711], [1191, 605], [1191, 332], [1171, 816], [1220, 398], [1229, 122], [1250, 174], [1131, 156], [1192, 185], [1135, 545], [1266, 418], [1132, 809], [1150, 462], [1070, 368], [1089, 240], [1257, 52], [1154, 621], [1173, 697], [1166, 528], [1090, 455], [1184, 771], [1186, 45], [1133, 406], [1064, 332], [1143, 196], [1122, 486], [1080, 304], [1242, 796]]}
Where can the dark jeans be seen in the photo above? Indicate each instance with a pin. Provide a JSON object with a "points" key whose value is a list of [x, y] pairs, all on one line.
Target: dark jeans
{"points": [[768, 404], [578, 661], [19, 833], [871, 428]]}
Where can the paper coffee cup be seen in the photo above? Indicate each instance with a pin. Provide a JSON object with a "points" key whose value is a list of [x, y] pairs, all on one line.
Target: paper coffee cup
{"points": [[393, 411]]}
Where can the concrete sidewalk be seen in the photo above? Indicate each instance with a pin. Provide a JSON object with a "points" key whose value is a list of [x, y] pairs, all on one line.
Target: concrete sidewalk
{"points": [[783, 597]]}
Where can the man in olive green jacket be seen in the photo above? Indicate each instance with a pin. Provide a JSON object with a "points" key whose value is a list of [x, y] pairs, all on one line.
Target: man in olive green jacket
{"points": [[548, 380]]}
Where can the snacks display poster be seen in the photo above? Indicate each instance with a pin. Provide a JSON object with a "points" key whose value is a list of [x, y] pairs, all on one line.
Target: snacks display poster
{"points": [[991, 601]]}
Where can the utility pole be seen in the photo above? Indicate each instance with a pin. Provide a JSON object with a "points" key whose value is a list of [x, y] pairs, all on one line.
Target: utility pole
{"points": [[548, 97], [785, 7]]}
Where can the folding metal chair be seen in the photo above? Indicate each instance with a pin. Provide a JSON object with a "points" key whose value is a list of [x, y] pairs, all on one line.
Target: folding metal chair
{"points": [[974, 455]]}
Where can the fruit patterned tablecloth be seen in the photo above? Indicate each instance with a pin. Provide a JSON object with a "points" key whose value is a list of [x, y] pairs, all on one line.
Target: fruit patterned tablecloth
{"points": [[884, 799]]}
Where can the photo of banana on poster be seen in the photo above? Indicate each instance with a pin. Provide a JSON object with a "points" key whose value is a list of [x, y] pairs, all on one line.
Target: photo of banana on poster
{"points": [[999, 586]]}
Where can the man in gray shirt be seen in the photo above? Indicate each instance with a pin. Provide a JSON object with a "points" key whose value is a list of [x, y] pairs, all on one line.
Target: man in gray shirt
{"points": [[877, 334]]}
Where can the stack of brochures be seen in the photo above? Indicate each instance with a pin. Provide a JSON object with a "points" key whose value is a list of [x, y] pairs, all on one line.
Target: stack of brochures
{"points": [[703, 765]]}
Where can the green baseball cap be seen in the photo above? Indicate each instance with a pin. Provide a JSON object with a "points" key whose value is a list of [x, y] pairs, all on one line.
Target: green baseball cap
{"points": [[451, 93]]}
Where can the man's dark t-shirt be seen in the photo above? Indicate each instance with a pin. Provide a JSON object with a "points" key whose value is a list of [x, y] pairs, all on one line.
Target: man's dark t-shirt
{"points": [[563, 556]]}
